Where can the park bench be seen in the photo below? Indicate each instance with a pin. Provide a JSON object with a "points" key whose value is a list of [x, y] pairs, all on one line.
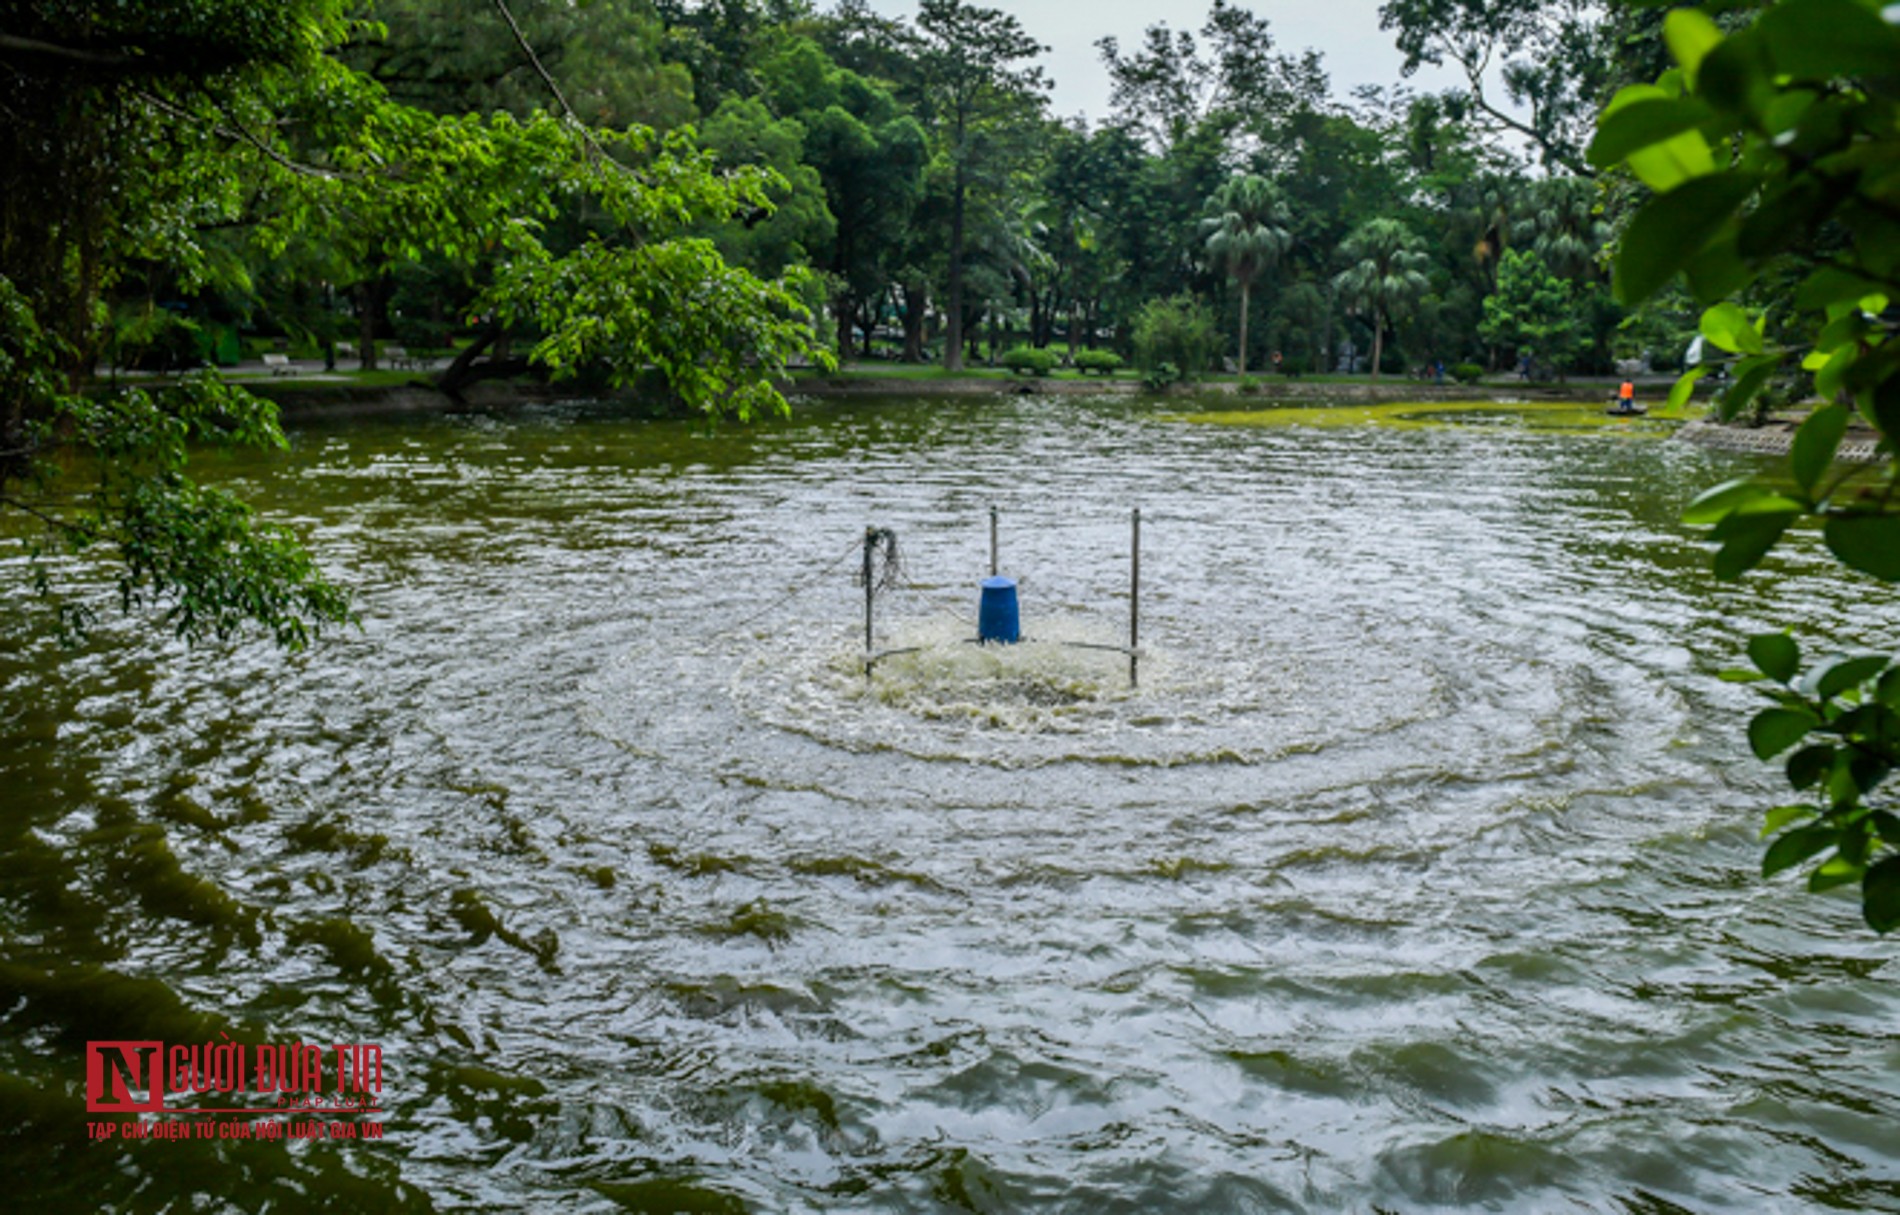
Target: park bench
{"points": [[278, 364]]}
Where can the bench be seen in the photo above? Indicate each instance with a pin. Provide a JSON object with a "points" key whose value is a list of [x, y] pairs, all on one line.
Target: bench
{"points": [[278, 364]]}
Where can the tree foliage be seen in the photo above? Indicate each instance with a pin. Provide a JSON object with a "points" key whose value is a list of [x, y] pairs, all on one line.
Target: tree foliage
{"points": [[1769, 148], [1178, 333], [974, 65], [1534, 312], [1384, 276], [1247, 237], [146, 134]]}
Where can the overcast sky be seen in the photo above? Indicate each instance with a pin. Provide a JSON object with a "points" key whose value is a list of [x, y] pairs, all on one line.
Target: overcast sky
{"points": [[1346, 32]]}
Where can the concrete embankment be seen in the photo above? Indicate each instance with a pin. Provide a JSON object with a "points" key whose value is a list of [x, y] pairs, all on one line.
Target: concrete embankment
{"points": [[341, 398], [1774, 438]]}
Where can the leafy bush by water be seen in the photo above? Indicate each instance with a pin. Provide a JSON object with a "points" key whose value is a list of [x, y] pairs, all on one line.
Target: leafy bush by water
{"points": [[1029, 359]]}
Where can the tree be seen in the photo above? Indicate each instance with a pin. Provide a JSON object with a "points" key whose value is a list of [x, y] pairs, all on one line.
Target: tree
{"points": [[1247, 236], [869, 153], [742, 131], [138, 133], [968, 61], [1534, 312], [1177, 332], [1560, 219], [1385, 275], [1765, 150], [455, 57], [1557, 59], [1168, 88]]}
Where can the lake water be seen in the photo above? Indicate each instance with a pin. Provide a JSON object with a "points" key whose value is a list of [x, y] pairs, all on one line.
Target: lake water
{"points": [[1419, 872]]}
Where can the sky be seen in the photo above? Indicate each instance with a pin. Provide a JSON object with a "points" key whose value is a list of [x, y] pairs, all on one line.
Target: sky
{"points": [[1345, 32]]}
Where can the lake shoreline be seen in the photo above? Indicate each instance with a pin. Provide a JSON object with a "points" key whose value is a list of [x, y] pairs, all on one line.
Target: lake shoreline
{"points": [[307, 399]]}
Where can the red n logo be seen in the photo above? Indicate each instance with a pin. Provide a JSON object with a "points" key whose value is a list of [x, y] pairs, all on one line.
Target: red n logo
{"points": [[114, 1069]]}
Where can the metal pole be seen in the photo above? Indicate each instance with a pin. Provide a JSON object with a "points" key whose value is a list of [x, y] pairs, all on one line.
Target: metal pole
{"points": [[992, 542], [1134, 602], [870, 589]]}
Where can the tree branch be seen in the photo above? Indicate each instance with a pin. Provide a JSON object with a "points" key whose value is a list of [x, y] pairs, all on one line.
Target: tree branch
{"points": [[13, 43], [51, 521], [235, 130], [1474, 74]]}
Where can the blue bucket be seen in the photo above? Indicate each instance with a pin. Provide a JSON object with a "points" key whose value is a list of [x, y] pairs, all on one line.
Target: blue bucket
{"points": [[997, 618]]}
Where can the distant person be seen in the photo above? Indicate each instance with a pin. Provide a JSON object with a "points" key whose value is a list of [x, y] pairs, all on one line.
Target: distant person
{"points": [[1524, 366], [1276, 362]]}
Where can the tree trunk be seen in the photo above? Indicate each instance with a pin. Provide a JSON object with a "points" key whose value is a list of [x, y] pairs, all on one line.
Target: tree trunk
{"points": [[372, 299], [841, 310], [953, 328], [1378, 342], [916, 300], [1246, 292], [464, 370]]}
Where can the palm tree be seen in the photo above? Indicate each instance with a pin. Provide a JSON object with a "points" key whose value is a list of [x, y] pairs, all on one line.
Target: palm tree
{"points": [[1384, 274], [1247, 233], [1560, 222]]}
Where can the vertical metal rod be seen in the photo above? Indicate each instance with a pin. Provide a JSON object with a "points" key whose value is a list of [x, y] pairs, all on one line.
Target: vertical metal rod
{"points": [[870, 589], [992, 542], [1134, 603]]}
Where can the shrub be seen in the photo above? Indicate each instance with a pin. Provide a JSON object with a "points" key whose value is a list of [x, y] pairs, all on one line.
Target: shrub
{"points": [[1178, 331], [1029, 359], [1102, 362], [1466, 373], [1160, 376], [1248, 385]]}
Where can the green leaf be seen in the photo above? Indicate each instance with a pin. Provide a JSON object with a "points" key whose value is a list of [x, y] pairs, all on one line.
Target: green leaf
{"points": [[1718, 271], [1828, 39], [1737, 75], [1794, 847], [1815, 444], [1690, 35], [1728, 326], [1880, 895], [1712, 505], [1868, 543], [1751, 374], [1673, 228], [1684, 387], [1828, 380], [1640, 124], [1775, 730], [1847, 673], [1887, 827], [1784, 215], [1782, 816], [1807, 766], [1874, 728], [1776, 655], [1837, 872], [1666, 165], [1830, 285], [1745, 537]]}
